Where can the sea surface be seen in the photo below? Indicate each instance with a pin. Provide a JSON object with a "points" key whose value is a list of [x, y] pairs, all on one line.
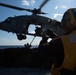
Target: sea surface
{"points": [[24, 71], [13, 46], [10, 46], [21, 70]]}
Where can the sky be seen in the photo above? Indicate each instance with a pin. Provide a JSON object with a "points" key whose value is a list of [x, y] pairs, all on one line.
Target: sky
{"points": [[54, 8]]}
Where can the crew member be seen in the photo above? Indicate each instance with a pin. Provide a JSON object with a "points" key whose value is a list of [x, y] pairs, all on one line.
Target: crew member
{"points": [[43, 42], [67, 65], [49, 34]]}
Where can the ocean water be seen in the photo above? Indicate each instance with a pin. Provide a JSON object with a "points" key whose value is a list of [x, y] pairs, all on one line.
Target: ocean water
{"points": [[13, 46], [22, 70], [10, 46]]}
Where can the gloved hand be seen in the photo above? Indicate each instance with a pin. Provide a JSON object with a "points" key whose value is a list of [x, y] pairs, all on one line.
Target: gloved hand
{"points": [[55, 71]]}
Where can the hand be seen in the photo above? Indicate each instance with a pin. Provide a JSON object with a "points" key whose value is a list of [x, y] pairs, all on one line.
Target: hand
{"points": [[55, 71]]}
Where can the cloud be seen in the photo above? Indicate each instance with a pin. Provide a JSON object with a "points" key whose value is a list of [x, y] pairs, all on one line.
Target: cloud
{"points": [[56, 15], [25, 2], [56, 7], [28, 2], [32, 2], [64, 6]]}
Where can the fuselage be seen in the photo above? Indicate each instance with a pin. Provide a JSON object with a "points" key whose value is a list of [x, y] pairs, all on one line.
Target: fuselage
{"points": [[20, 24]]}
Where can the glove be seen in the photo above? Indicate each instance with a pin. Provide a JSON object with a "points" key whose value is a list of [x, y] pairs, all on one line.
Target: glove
{"points": [[55, 71]]}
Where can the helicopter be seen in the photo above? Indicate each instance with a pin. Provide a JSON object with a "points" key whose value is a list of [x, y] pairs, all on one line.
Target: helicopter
{"points": [[20, 24]]}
